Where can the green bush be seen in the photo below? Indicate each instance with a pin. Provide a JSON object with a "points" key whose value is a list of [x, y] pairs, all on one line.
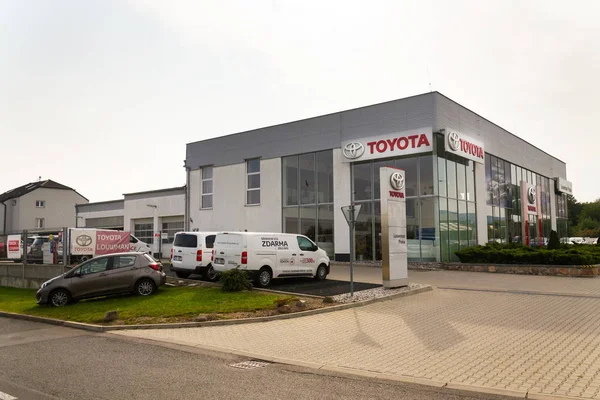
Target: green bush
{"points": [[554, 242], [514, 253], [235, 280]]}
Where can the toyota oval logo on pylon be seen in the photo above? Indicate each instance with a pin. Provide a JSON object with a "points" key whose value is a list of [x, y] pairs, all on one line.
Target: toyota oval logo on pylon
{"points": [[397, 181], [531, 195], [354, 150]]}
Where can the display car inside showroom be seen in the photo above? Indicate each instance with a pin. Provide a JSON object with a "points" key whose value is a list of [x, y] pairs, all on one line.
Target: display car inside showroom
{"points": [[468, 181]]}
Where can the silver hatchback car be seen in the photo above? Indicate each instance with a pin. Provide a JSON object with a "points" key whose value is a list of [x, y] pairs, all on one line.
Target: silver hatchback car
{"points": [[132, 272]]}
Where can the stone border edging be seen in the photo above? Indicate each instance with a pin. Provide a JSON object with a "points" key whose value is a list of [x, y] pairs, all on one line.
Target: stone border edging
{"points": [[106, 328], [511, 291]]}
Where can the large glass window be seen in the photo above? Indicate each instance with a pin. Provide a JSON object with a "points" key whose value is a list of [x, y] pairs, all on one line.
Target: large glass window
{"points": [[470, 176], [426, 185], [410, 167], [451, 178], [362, 181], [363, 242], [290, 181], [461, 180], [308, 197], [253, 182], [207, 187], [429, 234]]}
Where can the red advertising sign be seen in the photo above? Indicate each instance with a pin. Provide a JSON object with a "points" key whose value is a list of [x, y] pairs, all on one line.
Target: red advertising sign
{"points": [[108, 242], [13, 245]]}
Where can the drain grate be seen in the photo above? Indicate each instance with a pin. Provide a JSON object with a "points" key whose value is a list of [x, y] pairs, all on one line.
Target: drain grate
{"points": [[250, 364]]}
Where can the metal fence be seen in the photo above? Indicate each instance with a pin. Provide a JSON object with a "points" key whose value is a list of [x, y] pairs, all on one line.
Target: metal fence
{"points": [[31, 246]]}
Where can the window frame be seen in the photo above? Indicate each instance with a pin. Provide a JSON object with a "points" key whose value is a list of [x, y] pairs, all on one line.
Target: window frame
{"points": [[40, 204], [40, 223], [248, 174], [202, 180]]}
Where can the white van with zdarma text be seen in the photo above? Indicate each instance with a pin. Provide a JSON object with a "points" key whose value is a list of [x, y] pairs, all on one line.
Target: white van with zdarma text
{"points": [[270, 255], [192, 253]]}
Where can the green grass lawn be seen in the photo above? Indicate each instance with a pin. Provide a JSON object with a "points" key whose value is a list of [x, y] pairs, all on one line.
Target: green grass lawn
{"points": [[170, 304]]}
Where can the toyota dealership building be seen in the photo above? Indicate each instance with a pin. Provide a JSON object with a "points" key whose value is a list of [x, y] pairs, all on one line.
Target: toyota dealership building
{"points": [[468, 181]]}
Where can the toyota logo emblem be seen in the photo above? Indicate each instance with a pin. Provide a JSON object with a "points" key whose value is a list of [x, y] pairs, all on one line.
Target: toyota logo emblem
{"points": [[354, 150], [454, 141], [531, 195], [397, 181], [83, 240]]}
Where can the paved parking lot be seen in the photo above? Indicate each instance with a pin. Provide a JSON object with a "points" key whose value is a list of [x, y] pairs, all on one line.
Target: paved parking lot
{"points": [[526, 343]]}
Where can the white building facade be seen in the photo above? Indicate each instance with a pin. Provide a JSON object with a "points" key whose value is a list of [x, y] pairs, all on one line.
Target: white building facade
{"points": [[153, 216], [468, 181]]}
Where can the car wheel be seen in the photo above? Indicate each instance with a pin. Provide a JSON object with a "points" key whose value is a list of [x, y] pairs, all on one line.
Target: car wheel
{"points": [[321, 273], [264, 277], [211, 275], [182, 275], [59, 298], [145, 287]]}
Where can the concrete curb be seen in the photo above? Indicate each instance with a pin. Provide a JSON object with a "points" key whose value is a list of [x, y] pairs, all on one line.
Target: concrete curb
{"points": [[106, 328], [533, 292], [365, 373]]}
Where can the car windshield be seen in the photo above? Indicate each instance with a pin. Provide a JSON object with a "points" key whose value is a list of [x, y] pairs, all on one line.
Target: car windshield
{"points": [[30, 241], [38, 242]]}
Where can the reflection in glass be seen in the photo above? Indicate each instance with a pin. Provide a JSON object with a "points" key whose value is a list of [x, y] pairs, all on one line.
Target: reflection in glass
{"points": [[451, 171], [325, 176], [444, 235], [453, 229], [488, 180], [364, 233], [442, 185], [470, 174], [308, 220], [290, 220], [410, 166], [472, 224], [290, 180], [325, 229], [426, 186], [429, 238], [362, 181], [306, 163], [461, 181]]}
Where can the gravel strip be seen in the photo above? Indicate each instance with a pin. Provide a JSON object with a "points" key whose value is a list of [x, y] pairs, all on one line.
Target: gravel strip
{"points": [[375, 293]]}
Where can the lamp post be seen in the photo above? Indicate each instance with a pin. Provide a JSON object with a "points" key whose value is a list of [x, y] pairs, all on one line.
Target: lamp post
{"points": [[156, 233]]}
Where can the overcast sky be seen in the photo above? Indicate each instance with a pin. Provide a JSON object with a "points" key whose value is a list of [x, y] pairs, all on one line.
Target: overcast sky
{"points": [[103, 95]]}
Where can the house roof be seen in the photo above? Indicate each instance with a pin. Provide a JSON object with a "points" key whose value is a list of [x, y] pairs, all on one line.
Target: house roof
{"points": [[30, 187]]}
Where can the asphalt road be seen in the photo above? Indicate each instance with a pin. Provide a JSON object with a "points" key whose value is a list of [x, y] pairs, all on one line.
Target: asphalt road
{"points": [[328, 287], [41, 362]]}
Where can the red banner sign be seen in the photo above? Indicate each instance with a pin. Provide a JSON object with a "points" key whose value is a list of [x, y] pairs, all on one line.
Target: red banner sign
{"points": [[108, 242]]}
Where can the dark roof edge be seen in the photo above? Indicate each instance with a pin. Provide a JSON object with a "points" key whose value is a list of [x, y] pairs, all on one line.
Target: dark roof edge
{"points": [[173, 189], [507, 131], [309, 118], [99, 202]]}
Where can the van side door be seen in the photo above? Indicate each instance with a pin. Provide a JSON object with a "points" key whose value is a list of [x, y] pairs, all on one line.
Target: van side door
{"points": [[287, 256], [307, 256]]}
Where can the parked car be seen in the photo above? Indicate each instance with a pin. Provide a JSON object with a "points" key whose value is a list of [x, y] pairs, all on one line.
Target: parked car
{"points": [[132, 272], [270, 255], [191, 254], [34, 251]]}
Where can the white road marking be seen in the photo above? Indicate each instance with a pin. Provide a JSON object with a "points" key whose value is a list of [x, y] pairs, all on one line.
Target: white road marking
{"points": [[6, 396]]}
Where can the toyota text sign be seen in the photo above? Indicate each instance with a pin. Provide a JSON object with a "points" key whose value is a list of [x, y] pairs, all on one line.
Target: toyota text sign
{"points": [[388, 145], [98, 242], [464, 146]]}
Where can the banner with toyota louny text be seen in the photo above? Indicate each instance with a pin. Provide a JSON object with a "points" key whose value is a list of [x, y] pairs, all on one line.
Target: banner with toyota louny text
{"points": [[99, 242]]}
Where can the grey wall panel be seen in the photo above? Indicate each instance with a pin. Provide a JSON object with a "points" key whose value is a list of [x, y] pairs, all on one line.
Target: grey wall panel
{"points": [[314, 134], [101, 206], [497, 141], [155, 193], [104, 222]]}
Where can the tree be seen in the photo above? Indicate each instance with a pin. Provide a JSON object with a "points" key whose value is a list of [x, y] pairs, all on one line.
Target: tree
{"points": [[554, 242], [573, 210]]}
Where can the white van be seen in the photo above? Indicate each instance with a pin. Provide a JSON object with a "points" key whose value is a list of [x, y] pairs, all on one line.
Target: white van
{"points": [[270, 255], [191, 254]]}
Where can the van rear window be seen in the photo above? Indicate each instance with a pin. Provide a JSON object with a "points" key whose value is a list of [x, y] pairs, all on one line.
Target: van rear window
{"points": [[210, 241], [184, 240]]}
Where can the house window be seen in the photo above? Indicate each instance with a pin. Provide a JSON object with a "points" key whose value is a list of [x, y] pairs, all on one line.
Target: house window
{"points": [[39, 223], [253, 181], [207, 187], [40, 203]]}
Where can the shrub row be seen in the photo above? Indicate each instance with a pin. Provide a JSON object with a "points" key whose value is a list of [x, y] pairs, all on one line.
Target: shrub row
{"points": [[518, 254]]}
